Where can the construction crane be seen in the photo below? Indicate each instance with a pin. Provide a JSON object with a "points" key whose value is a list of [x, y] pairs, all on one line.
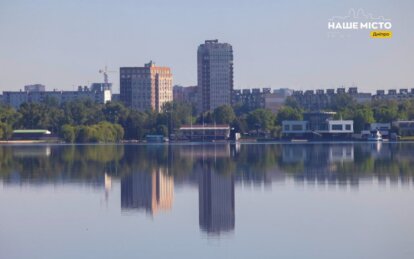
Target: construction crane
{"points": [[105, 74]]}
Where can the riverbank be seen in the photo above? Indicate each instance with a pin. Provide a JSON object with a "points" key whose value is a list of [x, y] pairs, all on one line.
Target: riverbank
{"points": [[243, 140], [29, 141]]}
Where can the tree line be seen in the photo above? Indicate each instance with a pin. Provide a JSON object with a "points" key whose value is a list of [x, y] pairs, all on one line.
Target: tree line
{"points": [[87, 121]]}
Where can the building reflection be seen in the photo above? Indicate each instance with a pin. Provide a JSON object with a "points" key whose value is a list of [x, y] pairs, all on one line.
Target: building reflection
{"points": [[347, 164], [322, 163], [152, 192], [31, 151], [314, 153], [220, 150], [216, 201]]}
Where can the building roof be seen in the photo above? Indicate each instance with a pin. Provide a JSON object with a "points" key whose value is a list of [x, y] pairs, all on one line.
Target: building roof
{"points": [[319, 113], [205, 127], [294, 121], [26, 131]]}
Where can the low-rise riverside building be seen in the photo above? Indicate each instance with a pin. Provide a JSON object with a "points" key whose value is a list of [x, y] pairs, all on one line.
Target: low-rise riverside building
{"points": [[203, 132], [320, 125], [33, 134], [383, 128], [405, 128]]}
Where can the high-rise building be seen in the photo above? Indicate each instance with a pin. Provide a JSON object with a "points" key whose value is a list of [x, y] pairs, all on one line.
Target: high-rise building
{"points": [[215, 74], [146, 88]]}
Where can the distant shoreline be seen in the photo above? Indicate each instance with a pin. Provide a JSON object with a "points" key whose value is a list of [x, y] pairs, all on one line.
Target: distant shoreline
{"points": [[296, 142]]}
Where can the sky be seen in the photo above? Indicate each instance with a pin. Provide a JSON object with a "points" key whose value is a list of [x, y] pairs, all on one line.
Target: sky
{"points": [[63, 44]]}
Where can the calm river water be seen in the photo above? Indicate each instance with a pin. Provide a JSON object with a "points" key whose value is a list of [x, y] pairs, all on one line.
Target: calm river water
{"points": [[321, 200]]}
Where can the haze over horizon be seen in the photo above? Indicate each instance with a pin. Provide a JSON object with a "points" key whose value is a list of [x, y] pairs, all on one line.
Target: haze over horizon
{"points": [[63, 44]]}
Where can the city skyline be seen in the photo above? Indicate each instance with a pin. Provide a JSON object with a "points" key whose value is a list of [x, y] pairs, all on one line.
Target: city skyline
{"points": [[280, 44]]}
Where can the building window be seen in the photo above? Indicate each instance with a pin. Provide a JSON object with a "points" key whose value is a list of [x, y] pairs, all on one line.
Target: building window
{"points": [[287, 128], [348, 127], [337, 127], [297, 127]]}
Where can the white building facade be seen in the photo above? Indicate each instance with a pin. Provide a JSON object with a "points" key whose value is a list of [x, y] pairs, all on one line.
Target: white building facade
{"points": [[318, 125]]}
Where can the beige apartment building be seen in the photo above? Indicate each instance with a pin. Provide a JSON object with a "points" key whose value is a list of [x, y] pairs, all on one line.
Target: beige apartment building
{"points": [[146, 88]]}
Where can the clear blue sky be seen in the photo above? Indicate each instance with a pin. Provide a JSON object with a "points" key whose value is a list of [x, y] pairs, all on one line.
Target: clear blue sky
{"points": [[63, 44]]}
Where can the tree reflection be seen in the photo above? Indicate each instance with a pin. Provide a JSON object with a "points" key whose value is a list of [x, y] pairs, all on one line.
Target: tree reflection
{"points": [[256, 163]]}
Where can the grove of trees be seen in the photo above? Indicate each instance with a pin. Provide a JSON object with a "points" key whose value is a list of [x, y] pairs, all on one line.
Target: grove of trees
{"points": [[87, 121]]}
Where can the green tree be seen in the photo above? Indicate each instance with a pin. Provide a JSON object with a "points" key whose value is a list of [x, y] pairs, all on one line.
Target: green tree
{"points": [[115, 112], [5, 131], [224, 114], [85, 134], [162, 130], [205, 118], [288, 113], [342, 101], [9, 115], [178, 113], [83, 112], [261, 119], [241, 109], [41, 116], [240, 124], [119, 132], [31, 115], [292, 103], [134, 125], [68, 133], [9, 118], [361, 115], [386, 111]]}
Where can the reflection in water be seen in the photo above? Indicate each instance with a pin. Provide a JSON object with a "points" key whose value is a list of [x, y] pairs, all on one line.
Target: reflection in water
{"points": [[318, 163], [318, 153], [215, 201], [108, 185], [31, 151], [148, 173], [206, 151], [152, 192]]}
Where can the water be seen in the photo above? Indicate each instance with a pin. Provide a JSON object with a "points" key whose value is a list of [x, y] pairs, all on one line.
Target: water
{"points": [[343, 200]]}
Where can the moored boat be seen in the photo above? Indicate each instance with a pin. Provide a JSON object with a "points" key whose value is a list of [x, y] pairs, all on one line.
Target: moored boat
{"points": [[375, 135]]}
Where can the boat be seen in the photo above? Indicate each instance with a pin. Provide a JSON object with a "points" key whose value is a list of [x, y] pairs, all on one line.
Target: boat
{"points": [[375, 135]]}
